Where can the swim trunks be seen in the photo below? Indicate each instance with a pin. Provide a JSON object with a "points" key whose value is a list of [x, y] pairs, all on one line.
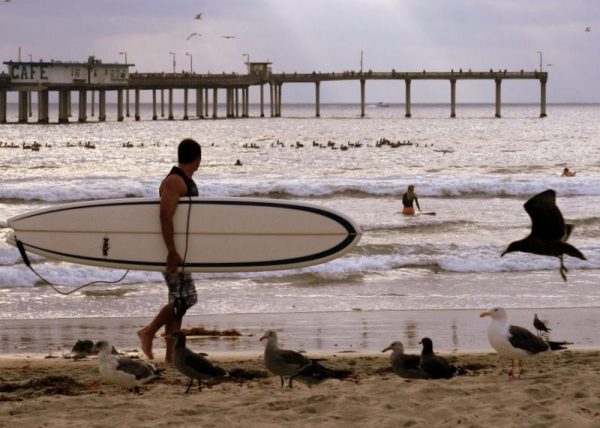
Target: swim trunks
{"points": [[181, 289]]}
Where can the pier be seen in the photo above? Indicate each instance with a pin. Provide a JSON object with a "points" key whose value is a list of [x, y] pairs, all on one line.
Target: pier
{"points": [[202, 91]]}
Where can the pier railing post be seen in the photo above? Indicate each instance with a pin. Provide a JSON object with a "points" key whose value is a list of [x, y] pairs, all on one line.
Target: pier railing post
{"points": [[543, 97], [407, 98], [498, 97], [452, 97]]}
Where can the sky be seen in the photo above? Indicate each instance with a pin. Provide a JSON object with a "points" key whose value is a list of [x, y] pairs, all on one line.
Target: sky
{"points": [[327, 35]]}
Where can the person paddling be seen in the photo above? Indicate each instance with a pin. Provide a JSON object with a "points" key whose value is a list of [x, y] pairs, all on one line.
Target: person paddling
{"points": [[408, 198]]}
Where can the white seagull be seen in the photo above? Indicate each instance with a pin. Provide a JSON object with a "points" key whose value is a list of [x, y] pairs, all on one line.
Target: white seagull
{"points": [[515, 342], [125, 372]]}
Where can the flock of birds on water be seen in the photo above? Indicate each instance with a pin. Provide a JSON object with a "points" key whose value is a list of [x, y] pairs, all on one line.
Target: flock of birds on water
{"points": [[509, 341]]}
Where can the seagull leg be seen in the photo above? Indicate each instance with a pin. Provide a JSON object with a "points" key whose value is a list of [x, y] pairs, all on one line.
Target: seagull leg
{"points": [[199, 385], [281, 377], [519, 367], [190, 385], [512, 369], [563, 268]]}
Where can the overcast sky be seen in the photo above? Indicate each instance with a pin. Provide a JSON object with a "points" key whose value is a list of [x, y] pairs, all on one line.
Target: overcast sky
{"points": [[327, 35]]}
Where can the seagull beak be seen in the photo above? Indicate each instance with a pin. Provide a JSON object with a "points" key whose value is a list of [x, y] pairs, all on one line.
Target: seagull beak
{"points": [[387, 349], [262, 338], [485, 314]]}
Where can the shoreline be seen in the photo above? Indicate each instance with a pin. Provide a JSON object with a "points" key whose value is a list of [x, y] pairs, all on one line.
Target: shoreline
{"points": [[356, 331]]}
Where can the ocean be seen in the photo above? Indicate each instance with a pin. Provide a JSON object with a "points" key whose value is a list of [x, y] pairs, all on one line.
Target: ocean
{"points": [[474, 171]]}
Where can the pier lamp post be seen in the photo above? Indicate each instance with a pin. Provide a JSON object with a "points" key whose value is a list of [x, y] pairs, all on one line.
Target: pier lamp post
{"points": [[540, 53], [29, 92], [191, 66], [126, 90], [247, 55], [174, 63], [124, 55]]}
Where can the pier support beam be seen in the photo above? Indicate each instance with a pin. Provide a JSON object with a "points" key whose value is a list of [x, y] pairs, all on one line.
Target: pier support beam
{"points": [[42, 106], [271, 98], [498, 96], [162, 103], [543, 97], [206, 96], [279, 99], [170, 104], [237, 102], [63, 110], [185, 104], [154, 116], [199, 103], [262, 100], [362, 97], [101, 105], [317, 99], [452, 97], [407, 98], [82, 106], [69, 103], [229, 103], [120, 105], [214, 115], [137, 105], [127, 102], [23, 106], [2, 106], [93, 103], [29, 109]]}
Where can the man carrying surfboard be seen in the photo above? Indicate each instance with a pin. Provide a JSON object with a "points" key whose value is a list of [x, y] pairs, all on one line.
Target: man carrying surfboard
{"points": [[182, 291]]}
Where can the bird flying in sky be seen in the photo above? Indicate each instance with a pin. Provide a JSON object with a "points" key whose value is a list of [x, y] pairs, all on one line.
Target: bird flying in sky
{"points": [[192, 35], [228, 37], [198, 17], [588, 29]]}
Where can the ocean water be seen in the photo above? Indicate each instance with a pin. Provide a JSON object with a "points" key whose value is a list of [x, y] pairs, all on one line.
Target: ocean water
{"points": [[474, 171]]}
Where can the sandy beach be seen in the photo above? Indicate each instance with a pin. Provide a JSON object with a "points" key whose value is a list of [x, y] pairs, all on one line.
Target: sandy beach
{"points": [[557, 389]]}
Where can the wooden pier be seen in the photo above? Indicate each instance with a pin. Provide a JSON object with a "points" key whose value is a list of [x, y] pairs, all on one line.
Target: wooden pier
{"points": [[207, 87]]}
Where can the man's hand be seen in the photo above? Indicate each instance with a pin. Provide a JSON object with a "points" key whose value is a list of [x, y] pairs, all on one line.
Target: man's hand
{"points": [[173, 260]]}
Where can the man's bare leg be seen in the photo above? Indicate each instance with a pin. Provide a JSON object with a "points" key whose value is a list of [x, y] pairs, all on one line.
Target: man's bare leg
{"points": [[147, 333]]}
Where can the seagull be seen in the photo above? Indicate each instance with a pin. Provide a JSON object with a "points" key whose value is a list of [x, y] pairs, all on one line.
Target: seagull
{"points": [[540, 325], [433, 366], [588, 29], [228, 37], [292, 364], [515, 342], [404, 365], [549, 233], [192, 365], [198, 17], [125, 372], [192, 35]]}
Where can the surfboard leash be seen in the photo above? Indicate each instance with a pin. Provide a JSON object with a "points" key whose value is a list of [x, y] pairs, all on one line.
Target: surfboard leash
{"points": [[25, 258]]}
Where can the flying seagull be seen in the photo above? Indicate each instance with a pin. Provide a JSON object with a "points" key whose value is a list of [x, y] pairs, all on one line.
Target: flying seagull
{"points": [[192, 35], [515, 342], [198, 17], [293, 365], [192, 365], [125, 372], [587, 29], [433, 366], [404, 365], [549, 233], [540, 325], [228, 37]]}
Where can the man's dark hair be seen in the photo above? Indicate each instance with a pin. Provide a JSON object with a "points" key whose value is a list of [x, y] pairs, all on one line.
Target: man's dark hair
{"points": [[188, 151]]}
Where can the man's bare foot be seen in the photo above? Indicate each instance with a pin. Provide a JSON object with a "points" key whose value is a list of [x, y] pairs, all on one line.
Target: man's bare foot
{"points": [[146, 342]]}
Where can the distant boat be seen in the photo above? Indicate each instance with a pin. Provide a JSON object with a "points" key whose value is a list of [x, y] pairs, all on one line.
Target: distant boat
{"points": [[380, 104]]}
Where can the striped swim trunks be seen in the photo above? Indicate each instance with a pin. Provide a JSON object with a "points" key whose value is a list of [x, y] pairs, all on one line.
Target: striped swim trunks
{"points": [[181, 286]]}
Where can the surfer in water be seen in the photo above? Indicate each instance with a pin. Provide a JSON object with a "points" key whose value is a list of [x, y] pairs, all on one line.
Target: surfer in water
{"points": [[182, 290], [408, 198]]}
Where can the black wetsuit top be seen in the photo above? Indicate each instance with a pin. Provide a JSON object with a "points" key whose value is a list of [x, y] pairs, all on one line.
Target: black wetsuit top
{"points": [[406, 201], [192, 189]]}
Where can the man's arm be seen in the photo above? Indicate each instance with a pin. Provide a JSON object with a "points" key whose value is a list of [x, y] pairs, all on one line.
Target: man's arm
{"points": [[417, 202], [173, 187]]}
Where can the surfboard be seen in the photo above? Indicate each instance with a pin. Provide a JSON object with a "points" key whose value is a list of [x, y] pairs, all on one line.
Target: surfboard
{"points": [[214, 234]]}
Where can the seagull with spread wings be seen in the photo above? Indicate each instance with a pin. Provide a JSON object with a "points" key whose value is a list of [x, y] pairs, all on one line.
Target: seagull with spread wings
{"points": [[198, 17], [228, 37], [192, 35]]}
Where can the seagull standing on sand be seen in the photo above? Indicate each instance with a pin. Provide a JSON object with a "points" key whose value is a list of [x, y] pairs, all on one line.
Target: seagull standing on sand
{"points": [[515, 342], [192, 365], [291, 364], [125, 372], [433, 366], [540, 325], [549, 233], [404, 365]]}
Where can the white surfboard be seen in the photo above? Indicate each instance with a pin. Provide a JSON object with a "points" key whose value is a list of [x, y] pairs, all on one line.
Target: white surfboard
{"points": [[223, 235]]}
